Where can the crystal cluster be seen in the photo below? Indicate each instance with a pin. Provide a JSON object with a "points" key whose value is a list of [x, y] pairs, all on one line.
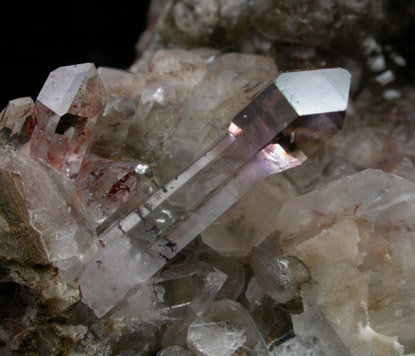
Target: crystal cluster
{"points": [[67, 107], [206, 203], [17, 120]]}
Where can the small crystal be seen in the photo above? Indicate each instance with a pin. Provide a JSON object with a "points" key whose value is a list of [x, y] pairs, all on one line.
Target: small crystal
{"points": [[106, 185], [278, 276], [385, 78], [67, 108], [174, 351], [235, 282], [297, 346], [17, 120], [174, 293], [223, 329]]}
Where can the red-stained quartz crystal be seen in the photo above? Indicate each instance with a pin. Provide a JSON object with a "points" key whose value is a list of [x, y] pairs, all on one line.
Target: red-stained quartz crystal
{"points": [[17, 120], [68, 107]]}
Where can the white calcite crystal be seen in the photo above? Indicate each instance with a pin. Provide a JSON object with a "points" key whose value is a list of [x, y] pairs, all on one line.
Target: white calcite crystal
{"points": [[357, 239], [224, 328]]}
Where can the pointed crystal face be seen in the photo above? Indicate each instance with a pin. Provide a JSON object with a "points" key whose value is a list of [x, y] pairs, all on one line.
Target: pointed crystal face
{"points": [[17, 120], [68, 107], [315, 91]]}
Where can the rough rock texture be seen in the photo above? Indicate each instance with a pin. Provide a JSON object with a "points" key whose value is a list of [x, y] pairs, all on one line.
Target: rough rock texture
{"points": [[256, 26], [38, 224]]}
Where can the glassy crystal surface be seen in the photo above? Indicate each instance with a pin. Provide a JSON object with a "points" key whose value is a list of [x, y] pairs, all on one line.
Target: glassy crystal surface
{"points": [[224, 173], [272, 319], [67, 109], [223, 329], [241, 228], [17, 121], [123, 90], [235, 281], [174, 351], [106, 185], [175, 293], [309, 346], [278, 276], [356, 238]]}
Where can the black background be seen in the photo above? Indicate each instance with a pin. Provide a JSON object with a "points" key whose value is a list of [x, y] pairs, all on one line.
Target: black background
{"points": [[38, 38]]}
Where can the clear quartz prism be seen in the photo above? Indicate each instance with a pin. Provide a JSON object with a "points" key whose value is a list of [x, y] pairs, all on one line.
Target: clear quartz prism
{"points": [[287, 121]]}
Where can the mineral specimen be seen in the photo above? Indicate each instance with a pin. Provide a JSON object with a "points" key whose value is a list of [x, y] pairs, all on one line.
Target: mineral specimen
{"points": [[17, 121], [174, 351], [317, 260], [67, 109], [277, 275], [223, 329], [264, 138], [175, 293]]}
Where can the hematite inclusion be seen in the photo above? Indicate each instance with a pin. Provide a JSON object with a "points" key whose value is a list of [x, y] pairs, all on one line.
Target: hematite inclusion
{"points": [[68, 107], [286, 122]]}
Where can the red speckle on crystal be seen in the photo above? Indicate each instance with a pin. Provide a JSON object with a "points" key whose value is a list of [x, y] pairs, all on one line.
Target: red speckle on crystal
{"points": [[356, 207]]}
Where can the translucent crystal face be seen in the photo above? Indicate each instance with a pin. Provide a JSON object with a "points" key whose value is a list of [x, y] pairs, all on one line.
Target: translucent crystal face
{"points": [[18, 119], [315, 91], [68, 107]]}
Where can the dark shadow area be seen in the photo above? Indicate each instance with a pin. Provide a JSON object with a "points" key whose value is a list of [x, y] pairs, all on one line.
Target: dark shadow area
{"points": [[36, 39]]}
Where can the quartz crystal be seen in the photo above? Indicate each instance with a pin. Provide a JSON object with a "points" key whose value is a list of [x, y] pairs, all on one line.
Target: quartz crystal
{"points": [[235, 281], [106, 185], [276, 274], [224, 328], [177, 292], [67, 109], [296, 346], [356, 238], [17, 120], [272, 319], [156, 225], [273, 133]]}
